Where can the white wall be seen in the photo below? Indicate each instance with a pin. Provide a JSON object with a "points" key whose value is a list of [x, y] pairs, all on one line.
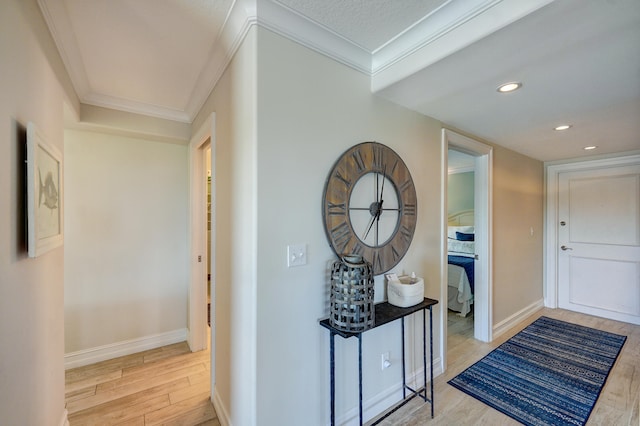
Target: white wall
{"points": [[327, 108], [310, 110], [235, 179], [33, 85], [460, 192], [271, 364], [126, 215]]}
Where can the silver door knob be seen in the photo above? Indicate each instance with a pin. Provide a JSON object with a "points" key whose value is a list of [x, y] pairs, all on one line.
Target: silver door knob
{"points": [[565, 248]]}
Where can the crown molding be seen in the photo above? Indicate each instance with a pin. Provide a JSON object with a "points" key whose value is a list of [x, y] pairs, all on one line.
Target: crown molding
{"points": [[448, 29], [429, 29], [135, 107], [65, 40], [456, 26], [290, 24], [57, 18], [241, 17]]}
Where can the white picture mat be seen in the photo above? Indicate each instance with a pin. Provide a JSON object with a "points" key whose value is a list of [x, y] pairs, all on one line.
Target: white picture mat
{"points": [[44, 194]]}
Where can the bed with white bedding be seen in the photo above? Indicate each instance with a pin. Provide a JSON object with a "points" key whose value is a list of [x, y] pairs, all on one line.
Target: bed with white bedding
{"points": [[461, 258]]}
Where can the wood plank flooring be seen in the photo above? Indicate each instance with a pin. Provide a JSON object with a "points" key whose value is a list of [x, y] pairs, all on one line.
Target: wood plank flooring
{"points": [[168, 386], [618, 404]]}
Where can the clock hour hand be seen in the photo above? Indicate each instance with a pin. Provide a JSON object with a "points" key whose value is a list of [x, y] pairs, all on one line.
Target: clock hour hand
{"points": [[371, 222]]}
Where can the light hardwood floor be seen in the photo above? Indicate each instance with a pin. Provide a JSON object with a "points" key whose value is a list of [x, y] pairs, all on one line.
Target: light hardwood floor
{"points": [[618, 404], [168, 386]]}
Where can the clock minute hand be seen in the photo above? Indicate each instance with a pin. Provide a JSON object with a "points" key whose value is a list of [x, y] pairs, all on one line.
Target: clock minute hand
{"points": [[376, 217], [378, 186], [379, 212], [384, 177]]}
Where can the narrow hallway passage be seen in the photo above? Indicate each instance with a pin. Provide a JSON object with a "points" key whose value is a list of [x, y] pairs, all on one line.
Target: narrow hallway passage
{"points": [[168, 385]]}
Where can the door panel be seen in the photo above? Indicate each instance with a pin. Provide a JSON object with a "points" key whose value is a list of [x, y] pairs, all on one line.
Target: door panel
{"points": [[599, 239], [619, 295], [603, 210]]}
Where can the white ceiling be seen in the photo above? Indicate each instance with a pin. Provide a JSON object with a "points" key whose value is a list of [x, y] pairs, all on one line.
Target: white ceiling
{"points": [[579, 60]]}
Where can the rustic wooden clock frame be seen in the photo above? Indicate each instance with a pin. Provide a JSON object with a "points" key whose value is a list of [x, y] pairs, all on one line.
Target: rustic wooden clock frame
{"points": [[352, 165]]}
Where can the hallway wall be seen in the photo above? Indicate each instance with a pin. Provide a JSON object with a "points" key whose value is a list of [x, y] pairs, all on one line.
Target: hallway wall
{"points": [[34, 85], [126, 252]]}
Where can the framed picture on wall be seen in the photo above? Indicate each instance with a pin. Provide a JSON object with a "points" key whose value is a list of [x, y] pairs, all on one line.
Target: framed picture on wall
{"points": [[44, 194]]}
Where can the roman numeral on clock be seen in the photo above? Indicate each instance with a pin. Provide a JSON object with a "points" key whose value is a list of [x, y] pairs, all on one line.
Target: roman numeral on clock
{"points": [[395, 253], [376, 262], [341, 236], [405, 185], [335, 209], [357, 249], [378, 159], [405, 233], [409, 210], [357, 158], [339, 176]]}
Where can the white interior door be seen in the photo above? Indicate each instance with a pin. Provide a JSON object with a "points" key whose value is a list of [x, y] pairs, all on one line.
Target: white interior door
{"points": [[599, 242]]}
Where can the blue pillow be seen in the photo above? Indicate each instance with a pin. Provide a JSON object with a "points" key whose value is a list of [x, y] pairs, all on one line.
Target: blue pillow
{"points": [[461, 236]]}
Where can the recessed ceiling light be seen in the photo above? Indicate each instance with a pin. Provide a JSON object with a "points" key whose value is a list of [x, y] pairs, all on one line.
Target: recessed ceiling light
{"points": [[509, 87], [589, 148], [563, 127]]}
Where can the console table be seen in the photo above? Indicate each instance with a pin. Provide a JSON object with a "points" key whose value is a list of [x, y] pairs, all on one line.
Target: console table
{"points": [[386, 313]]}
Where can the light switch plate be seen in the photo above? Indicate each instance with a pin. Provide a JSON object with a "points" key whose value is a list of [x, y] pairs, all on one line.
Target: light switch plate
{"points": [[296, 255]]}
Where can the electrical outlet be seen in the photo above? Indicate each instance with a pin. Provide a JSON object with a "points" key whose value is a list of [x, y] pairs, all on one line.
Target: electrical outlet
{"points": [[384, 361]]}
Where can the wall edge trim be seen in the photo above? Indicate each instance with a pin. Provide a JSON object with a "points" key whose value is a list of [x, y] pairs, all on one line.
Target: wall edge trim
{"points": [[221, 409], [514, 319], [378, 404], [125, 347], [64, 420]]}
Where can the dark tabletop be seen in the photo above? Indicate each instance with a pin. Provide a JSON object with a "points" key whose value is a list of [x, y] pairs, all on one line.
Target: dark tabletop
{"points": [[384, 313]]}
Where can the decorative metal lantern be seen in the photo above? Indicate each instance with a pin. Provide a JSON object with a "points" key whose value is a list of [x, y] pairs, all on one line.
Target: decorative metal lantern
{"points": [[352, 294]]}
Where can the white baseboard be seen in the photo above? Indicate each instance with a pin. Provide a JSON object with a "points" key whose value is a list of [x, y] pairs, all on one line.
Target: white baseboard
{"points": [[223, 414], [514, 319], [386, 399], [127, 347], [64, 421]]}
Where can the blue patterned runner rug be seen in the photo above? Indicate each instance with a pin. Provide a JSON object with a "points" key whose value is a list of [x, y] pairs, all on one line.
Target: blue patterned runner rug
{"points": [[550, 373]]}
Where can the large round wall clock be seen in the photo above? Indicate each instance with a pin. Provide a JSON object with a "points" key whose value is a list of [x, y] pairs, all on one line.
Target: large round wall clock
{"points": [[370, 206]]}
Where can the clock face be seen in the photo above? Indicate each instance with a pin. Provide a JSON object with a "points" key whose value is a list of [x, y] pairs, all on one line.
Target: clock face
{"points": [[370, 205], [371, 229]]}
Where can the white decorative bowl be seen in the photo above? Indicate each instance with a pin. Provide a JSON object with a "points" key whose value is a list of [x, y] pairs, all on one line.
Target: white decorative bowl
{"points": [[409, 292]]}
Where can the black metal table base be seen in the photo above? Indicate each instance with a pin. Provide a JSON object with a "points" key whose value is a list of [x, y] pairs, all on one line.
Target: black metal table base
{"points": [[386, 313]]}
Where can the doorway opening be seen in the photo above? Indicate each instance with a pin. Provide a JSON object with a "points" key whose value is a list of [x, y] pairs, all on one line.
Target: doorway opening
{"points": [[208, 245], [201, 290], [460, 245], [482, 158], [202, 231]]}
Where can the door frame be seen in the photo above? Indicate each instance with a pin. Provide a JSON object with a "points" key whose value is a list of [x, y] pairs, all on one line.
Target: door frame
{"points": [[552, 177], [204, 138], [483, 201]]}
